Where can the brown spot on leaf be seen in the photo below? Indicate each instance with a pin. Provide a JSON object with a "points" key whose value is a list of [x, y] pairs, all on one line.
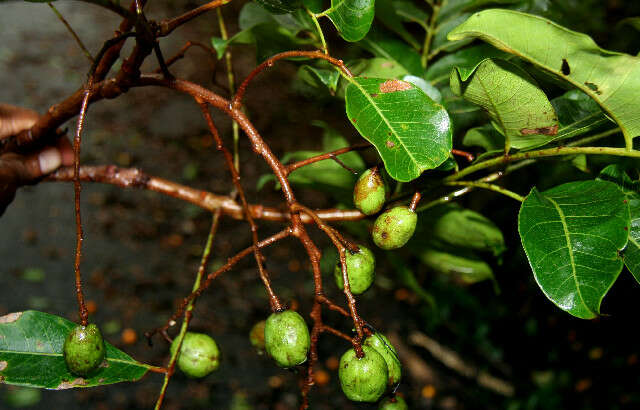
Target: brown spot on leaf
{"points": [[391, 86], [1, 379], [3, 365], [70, 385], [390, 144], [374, 95], [553, 130], [10, 318]]}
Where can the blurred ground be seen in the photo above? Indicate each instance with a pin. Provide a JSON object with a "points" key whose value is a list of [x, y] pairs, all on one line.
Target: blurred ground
{"points": [[142, 250]]}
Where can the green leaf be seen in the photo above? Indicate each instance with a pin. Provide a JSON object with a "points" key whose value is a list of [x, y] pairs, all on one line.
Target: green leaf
{"points": [[314, 5], [352, 18], [578, 114], [630, 21], [485, 137], [611, 79], [381, 44], [408, 10], [316, 76], [408, 278], [461, 228], [517, 107], [411, 132], [572, 235], [631, 254], [280, 6], [31, 355], [428, 89], [441, 42], [466, 60], [386, 13], [463, 265], [453, 7]]}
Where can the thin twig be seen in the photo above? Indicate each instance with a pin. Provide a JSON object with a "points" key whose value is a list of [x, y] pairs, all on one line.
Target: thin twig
{"points": [[73, 33], [276, 306], [165, 27], [204, 261]]}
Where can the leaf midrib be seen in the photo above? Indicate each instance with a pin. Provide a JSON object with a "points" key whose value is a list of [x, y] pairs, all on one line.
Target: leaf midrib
{"points": [[567, 235], [384, 119]]}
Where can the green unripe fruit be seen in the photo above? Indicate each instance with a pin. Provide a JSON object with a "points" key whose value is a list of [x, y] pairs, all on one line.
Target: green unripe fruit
{"points": [[256, 336], [84, 349], [286, 338], [199, 354], [394, 403], [370, 192], [382, 345], [360, 270], [363, 379], [394, 227]]}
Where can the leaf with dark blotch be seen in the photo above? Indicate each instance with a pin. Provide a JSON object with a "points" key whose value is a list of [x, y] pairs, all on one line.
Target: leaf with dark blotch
{"points": [[352, 18], [572, 235], [631, 254], [411, 132], [519, 109], [612, 79], [31, 355]]}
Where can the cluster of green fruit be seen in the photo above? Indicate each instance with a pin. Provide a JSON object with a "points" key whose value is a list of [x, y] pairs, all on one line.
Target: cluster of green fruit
{"points": [[391, 230], [285, 335], [395, 226]]}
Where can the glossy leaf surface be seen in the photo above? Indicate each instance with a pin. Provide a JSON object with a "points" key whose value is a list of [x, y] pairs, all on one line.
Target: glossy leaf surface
{"points": [[382, 44], [612, 79], [631, 254], [31, 355], [411, 132], [572, 235], [352, 18], [517, 106]]}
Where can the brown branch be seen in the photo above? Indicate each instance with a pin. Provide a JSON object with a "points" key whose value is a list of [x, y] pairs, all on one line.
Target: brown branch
{"points": [[237, 100], [336, 332], [82, 308], [134, 178], [467, 155], [329, 155], [182, 52], [276, 306], [165, 27], [415, 201]]}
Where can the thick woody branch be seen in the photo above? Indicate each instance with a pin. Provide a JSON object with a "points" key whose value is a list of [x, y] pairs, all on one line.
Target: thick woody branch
{"points": [[135, 178]]}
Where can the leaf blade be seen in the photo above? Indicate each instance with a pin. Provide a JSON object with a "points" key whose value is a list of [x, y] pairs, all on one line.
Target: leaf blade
{"points": [[572, 244], [411, 132], [352, 18], [39, 337], [611, 79]]}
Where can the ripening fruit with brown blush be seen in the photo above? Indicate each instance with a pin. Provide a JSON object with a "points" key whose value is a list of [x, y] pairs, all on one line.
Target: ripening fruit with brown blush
{"points": [[199, 354], [256, 336], [365, 378], [394, 227], [370, 192], [286, 338], [84, 349], [361, 267]]}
